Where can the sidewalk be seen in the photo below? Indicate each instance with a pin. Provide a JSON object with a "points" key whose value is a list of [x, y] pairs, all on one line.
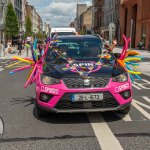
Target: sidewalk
{"points": [[144, 53], [10, 56]]}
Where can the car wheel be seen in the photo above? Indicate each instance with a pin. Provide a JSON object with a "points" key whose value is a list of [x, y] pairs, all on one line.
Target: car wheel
{"points": [[40, 112], [124, 111]]}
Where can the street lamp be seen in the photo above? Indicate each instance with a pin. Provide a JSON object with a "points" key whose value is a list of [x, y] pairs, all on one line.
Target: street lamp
{"points": [[2, 20]]}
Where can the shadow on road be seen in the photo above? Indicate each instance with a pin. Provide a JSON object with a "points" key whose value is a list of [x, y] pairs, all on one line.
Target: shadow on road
{"points": [[64, 118], [27, 101], [75, 118]]}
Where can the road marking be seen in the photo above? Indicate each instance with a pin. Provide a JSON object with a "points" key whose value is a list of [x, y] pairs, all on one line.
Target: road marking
{"points": [[105, 137], [13, 64], [1, 69], [146, 81], [146, 98], [136, 87], [141, 85], [17, 66], [125, 118], [1, 128], [144, 105], [146, 114]]}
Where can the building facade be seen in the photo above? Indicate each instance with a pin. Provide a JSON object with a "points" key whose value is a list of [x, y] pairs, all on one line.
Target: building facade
{"points": [[80, 9], [135, 21], [46, 29], [35, 20], [106, 18], [3, 7], [86, 21], [23, 14], [37, 24], [98, 15], [29, 12]]}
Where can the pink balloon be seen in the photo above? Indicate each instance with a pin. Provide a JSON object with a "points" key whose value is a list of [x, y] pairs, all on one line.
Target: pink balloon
{"points": [[30, 77]]}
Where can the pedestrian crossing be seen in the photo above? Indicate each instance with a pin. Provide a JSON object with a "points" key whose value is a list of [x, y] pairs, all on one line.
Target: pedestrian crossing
{"points": [[142, 105], [142, 84], [9, 64]]}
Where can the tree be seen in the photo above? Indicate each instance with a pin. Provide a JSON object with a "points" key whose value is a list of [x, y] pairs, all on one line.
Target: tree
{"points": [[40, 35], [11, 26], [28, 26]]}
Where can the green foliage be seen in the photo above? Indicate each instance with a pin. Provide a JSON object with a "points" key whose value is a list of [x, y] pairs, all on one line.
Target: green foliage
{"points": [[40, 35], [82, 32], [11, 26], [28, 26]]}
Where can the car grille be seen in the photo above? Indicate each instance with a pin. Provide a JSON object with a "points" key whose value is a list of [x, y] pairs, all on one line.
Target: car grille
{"points": [[66, 103], [95, 82]]}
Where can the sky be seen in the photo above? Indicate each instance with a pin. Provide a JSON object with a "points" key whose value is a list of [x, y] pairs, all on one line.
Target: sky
{"points": [[57, 12]]}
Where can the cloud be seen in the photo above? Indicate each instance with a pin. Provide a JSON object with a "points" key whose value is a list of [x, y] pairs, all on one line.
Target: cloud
{"points": [[58, 12]]}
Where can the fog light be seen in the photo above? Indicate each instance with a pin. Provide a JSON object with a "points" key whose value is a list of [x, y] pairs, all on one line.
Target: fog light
{"points": [[45, 97], [126, 94]]}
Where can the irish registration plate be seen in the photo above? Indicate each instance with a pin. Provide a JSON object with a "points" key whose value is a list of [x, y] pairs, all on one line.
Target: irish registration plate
{"points": [[87, 97]]}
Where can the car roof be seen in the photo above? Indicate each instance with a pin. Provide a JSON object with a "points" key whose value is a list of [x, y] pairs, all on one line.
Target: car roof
{"points": [[78, 37]]}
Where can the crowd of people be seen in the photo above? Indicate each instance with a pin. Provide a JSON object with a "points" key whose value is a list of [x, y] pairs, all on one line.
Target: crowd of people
{"points": [[20, 45]]}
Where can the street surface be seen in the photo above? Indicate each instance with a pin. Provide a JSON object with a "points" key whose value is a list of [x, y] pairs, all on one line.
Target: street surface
{"points": [[83, 131]]}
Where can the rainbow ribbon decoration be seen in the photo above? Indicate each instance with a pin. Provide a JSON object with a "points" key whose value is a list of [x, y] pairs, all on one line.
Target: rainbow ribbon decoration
{"points": [[130, 62], [32, 63]]}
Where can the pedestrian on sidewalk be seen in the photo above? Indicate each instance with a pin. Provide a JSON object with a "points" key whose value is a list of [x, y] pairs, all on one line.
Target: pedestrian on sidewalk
{"points": [[141, 45], [9, 47], [1, 45], [28, 41], [40, 46], [19, 46]]}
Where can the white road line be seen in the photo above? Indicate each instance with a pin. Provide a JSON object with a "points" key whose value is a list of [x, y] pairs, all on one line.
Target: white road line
{"points": [[146, 81], [1, 127], [1, 69], [103, 133], [141, 85], [136, 87], [144, 105], [146, 98], [125, 118], [146, 114]]}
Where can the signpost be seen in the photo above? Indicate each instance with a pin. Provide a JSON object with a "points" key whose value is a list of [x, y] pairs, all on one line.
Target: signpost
{"points": [[111, 29], [131, 30]]}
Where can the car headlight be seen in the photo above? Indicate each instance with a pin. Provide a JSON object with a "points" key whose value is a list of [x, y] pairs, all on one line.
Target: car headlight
{"points": [[120, 78], [49, 80]]}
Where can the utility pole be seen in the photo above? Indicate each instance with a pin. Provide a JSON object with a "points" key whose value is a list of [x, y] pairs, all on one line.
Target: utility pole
{"points": [[131, 30]]}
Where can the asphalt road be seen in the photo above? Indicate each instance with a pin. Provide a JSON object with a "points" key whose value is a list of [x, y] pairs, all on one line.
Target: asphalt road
{"points": [[94, 131]]}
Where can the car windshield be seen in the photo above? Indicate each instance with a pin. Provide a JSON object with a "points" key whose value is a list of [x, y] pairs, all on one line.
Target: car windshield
{"points": [[78, 48], [62, 33]]}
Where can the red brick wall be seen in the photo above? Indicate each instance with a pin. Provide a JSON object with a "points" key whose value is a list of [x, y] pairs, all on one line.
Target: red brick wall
{"points": [[143, 17]]}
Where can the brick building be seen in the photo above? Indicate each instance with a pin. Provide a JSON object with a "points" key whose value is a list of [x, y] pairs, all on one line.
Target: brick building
{"points": [[36, 20], [86, 20], [80, 9], [98, 15], [135, 15], [106, 18]]}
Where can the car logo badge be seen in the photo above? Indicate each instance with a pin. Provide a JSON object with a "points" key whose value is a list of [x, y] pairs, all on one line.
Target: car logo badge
{"points": [[86, 82]]}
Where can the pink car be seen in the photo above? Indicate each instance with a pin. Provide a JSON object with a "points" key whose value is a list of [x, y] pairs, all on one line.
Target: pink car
{"points": [[77, 76]]}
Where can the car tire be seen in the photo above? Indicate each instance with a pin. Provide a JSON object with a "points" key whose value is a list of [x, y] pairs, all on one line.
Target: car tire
{"points": [[40, 112], [124, 111]]}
